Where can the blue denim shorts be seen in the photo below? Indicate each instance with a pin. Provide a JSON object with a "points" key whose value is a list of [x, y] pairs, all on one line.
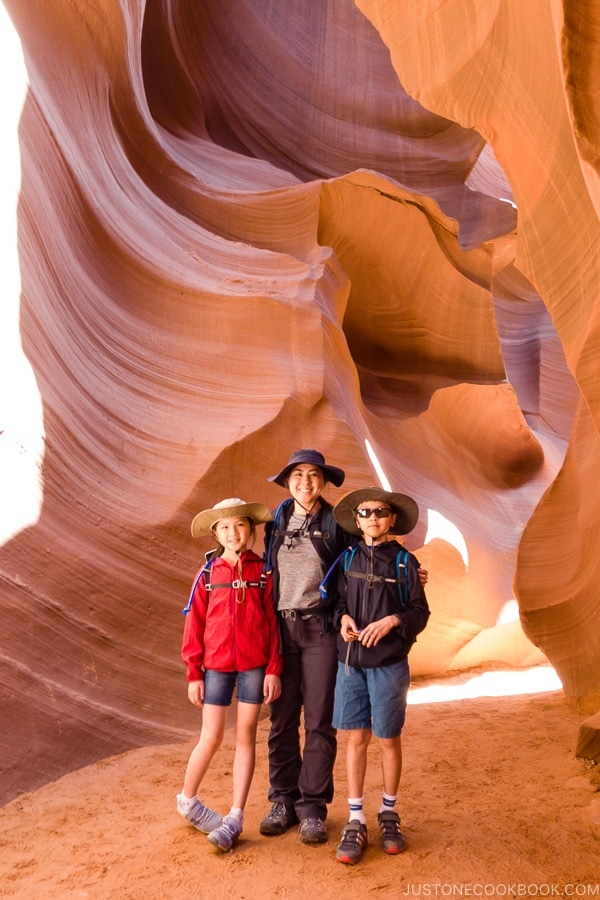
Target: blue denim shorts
{"points": [[372, 698], [218, 686]]}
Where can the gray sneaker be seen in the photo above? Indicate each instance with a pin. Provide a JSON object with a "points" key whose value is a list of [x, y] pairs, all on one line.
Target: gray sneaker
{"points": [[353, 843], [312, 831], [227, 834], [200, 816], [279, 818], [392, 839]]}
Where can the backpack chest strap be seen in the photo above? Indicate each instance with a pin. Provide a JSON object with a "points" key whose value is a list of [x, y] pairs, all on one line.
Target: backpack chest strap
{"points": [[374, 579], [238, 583]]}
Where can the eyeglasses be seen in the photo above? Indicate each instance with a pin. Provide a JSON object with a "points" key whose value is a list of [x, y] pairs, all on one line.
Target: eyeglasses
{"points": [[382, 512]]}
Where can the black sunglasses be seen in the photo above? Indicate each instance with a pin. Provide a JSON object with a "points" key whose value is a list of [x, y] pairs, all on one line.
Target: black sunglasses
{"points": [[382, 512]]}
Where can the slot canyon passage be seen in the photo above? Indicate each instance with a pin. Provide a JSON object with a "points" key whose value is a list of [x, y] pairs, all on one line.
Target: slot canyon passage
{"points": [[232, 228]]}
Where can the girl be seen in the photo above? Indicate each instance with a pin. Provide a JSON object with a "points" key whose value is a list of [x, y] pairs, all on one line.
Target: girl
{"points": [[230, 638]]}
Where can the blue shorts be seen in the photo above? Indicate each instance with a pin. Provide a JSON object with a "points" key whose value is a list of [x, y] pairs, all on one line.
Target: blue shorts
{"points": [[371, 698], [218, 686]]}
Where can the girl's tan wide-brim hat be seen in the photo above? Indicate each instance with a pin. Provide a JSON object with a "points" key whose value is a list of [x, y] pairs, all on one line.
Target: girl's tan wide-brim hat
{"points": [[232, 508], [405, 507]]}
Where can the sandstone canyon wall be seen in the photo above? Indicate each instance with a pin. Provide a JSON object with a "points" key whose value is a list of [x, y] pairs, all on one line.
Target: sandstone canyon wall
{"points": [[244, 227]]}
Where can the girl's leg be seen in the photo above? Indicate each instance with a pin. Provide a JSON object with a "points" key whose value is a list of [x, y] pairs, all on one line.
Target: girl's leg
{"points": [[245, 751], [211, 736]]}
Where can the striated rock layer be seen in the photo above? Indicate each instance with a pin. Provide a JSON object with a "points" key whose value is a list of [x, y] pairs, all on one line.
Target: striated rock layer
{"points": [[244, 227]]}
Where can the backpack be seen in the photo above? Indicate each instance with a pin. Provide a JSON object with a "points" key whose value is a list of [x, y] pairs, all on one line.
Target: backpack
{"points": [[209, 586], [346, 557], [328, 533]]}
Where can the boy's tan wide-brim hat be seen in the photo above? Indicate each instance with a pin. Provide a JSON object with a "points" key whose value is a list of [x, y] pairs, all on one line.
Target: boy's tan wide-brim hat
{"points": [[232, 508], [402, 504]]}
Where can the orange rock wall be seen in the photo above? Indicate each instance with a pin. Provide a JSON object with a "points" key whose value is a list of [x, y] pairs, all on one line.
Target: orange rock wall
{"points": [[244, 227]]}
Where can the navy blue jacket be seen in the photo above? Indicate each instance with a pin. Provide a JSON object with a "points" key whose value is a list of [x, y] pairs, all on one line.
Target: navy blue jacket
{"points": [[368, 601]]}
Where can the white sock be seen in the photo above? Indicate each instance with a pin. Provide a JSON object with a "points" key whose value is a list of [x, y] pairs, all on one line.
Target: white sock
{"points": [[237, 814], [388, 803], [186, 802], [356, 810]]}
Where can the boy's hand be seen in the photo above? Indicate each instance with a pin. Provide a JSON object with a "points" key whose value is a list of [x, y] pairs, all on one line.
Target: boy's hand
{"points": [[423, 576], [271, 688], [348, 629], [196, 692], [374, 631]]}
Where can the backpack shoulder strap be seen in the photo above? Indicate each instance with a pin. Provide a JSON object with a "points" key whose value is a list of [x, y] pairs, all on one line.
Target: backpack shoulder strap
{"points": [[278, 517], [402, 574], [329, 531], [342, 557], [205, 570]]}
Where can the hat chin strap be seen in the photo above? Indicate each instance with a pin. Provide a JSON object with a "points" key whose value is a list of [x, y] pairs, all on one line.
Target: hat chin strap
{"points": [[310, 509]]}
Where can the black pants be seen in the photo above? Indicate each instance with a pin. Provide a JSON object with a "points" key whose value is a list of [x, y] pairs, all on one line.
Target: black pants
{"points": [[304, 780]]}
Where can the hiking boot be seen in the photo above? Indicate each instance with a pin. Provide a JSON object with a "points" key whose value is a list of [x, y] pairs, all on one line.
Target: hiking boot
{"points": [[312, 831], [353, 843], [279, 818], [200, 816], [227, 834], [392, 839]]}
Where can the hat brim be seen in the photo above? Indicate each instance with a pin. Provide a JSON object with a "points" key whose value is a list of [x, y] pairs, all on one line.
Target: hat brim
{"points": [[404, 506], [331, 473], [203, 523]]}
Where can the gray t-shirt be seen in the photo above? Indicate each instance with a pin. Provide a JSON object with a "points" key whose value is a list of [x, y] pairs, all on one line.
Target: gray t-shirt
{"points": [[300, 568]]}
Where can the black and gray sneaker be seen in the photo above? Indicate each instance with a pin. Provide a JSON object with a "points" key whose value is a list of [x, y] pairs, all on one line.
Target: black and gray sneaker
{"points": [[279, 818], [353, 843], [392, 839]]}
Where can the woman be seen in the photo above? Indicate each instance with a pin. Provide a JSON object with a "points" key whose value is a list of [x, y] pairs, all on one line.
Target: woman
{"points": [[302, 542]]}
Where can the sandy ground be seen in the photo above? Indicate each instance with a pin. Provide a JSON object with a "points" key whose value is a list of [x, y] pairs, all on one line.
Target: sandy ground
{"points": [[493, 803]]}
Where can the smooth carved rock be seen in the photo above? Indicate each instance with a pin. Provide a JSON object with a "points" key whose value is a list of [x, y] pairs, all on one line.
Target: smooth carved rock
{"points": [[588, 742], [245, 227]]}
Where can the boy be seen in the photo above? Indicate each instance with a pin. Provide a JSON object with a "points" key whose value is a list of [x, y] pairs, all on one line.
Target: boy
{"points": [[381, 610]]}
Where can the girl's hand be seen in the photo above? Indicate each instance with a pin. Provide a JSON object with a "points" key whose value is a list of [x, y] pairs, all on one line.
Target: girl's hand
{"points": [[271, 688], [372, 633], [196, 692], [348, 629]]}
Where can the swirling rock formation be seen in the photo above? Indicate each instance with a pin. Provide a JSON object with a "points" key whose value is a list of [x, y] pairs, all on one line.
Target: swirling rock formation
{"points": [[245, 227]]}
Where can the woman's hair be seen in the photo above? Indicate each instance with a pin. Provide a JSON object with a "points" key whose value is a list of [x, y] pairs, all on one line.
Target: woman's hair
{"points": [[251, 539]]}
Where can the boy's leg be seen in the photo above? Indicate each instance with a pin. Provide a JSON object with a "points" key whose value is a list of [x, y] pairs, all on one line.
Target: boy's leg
{"points": [[388, 688], [356, 760], [354, 834], [391, 763], [353, 714]]}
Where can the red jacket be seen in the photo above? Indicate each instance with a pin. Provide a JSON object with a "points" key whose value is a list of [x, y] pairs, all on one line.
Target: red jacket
{"points": [[225, 632]]}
